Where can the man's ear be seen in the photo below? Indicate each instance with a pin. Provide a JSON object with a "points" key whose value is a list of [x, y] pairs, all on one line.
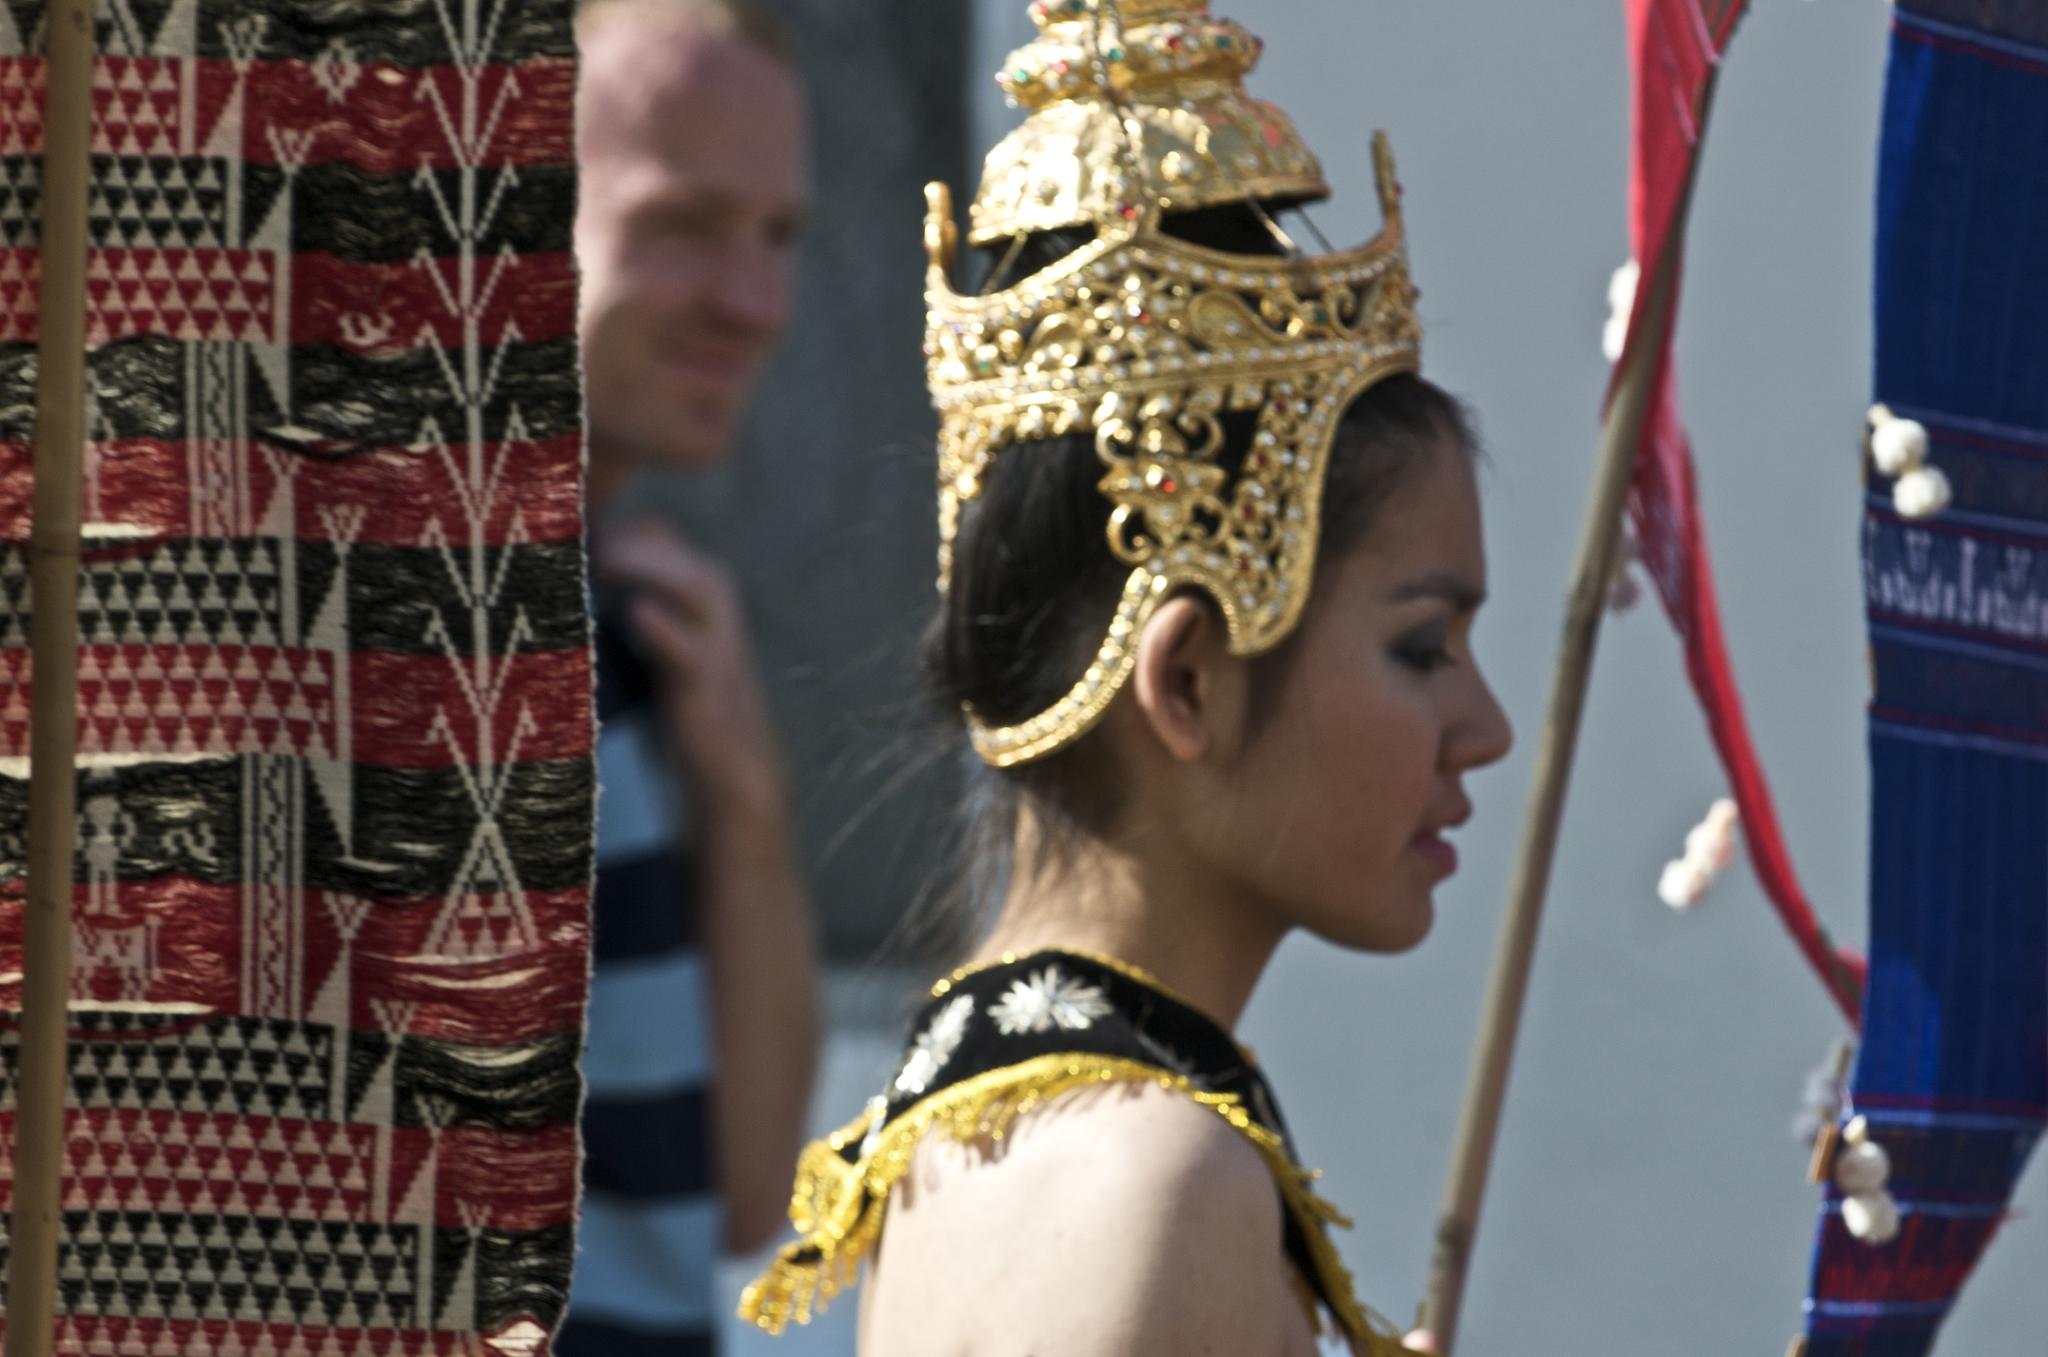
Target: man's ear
{"points": [[1190, 692]]}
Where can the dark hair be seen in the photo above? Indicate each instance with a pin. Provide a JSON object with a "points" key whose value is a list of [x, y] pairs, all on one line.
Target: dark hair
{"points": [[1034, 582]]}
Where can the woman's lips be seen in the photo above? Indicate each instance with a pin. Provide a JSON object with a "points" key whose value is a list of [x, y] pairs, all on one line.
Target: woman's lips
{"points": [[1438, 851]]}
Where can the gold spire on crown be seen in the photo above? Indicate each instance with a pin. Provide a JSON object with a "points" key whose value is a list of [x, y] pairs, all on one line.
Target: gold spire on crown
{"points": [[1137, 110], [1138, 104]]}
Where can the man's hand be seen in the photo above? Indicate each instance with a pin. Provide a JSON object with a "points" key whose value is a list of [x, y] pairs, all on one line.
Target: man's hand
{"points": [[686, 614], [749, 896]]}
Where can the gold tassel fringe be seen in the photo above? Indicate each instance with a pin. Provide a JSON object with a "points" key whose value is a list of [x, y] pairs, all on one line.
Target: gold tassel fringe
{"points": [[838, 1207]]}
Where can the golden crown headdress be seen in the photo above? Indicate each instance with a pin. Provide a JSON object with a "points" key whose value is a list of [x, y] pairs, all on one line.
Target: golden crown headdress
{"points": [[1138, 110]]}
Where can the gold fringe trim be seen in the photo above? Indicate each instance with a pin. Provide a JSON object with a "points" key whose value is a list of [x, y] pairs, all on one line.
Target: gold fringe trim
{"points": [[838, 1208]]}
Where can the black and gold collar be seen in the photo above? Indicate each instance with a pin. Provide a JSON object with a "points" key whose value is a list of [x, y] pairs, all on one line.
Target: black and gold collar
{"points": [[993, 1042]]}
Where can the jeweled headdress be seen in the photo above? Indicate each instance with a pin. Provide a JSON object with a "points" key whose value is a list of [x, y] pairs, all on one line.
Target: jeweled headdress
{"points": [[1137, 110]]}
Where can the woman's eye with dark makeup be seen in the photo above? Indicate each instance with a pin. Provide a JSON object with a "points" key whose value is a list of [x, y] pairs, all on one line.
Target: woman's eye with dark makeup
{"points": [[1425, 651]]}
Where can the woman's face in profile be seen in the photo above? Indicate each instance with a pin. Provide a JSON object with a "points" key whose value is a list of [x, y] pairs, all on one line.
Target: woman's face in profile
{"points": [[1347, 793]]}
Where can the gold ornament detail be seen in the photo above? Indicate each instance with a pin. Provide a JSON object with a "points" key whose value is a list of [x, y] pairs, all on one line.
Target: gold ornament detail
{"points": [[1140, 107], [1147, 342]]}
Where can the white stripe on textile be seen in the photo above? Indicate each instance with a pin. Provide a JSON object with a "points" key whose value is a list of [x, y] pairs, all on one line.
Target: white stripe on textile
{"points": [[647, 1026], [646, 1264]]}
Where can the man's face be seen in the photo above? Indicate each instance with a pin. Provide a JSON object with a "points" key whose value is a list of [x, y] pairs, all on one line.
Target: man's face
{"points": [[693, 168]]}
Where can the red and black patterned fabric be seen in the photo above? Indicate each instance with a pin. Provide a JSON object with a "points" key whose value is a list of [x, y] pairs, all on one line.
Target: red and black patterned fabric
{"points": [[335, 794]]}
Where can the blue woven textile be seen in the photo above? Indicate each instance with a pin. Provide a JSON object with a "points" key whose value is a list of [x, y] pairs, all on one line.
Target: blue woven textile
{"points": [[1952, 1073]]}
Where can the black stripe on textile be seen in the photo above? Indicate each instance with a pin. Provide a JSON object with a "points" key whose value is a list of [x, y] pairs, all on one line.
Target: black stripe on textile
{"points": [[363, 1273], [394, 32], [345, 397], [238, 1066], [518, 1086], [345, 401], [519, 1274], [646, 1148], [374, 218], [593, 1338], [412, 832], [181, 202], [643, 907], [401, 600]]}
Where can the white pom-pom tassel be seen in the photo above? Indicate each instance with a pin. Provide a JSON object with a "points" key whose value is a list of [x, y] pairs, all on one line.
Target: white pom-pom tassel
{"points": [[1684, 883], [1898, 446], [1709, 848], [1862, 1168], [1712, 840], [1872, 1218], [1922, 493], [1621, 300]]}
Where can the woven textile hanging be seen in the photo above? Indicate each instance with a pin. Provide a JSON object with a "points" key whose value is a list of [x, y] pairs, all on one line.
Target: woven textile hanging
{"points": [[335, 789], [1952, 1073]]}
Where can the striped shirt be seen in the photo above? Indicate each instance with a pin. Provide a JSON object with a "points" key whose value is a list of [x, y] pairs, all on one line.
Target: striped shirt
{"points": [[651, 1223]]}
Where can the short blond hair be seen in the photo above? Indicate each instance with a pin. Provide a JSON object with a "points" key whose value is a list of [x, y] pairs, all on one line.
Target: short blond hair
{"points": [[745, 20]]}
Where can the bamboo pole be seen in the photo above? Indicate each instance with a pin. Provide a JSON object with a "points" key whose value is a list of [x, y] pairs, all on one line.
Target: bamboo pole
{"points": [[53, 737], [1515, 948]]}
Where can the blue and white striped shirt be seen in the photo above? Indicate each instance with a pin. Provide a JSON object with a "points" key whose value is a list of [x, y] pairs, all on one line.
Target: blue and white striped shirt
{"points": [[651, 1224]]}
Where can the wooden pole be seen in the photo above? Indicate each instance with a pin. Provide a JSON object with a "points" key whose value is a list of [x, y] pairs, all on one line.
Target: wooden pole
{"points": [[1515, 949], [53, 732]]}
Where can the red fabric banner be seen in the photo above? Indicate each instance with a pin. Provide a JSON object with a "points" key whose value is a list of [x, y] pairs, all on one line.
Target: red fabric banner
{"points": [[1675, 47]]}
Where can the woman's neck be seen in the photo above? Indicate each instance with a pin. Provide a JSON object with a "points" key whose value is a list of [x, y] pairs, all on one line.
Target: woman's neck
{"points": [[1160, 913]]}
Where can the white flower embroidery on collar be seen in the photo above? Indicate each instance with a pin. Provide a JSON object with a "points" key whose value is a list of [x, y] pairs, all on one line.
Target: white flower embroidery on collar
{"points": [[934, 1046], [1046, 1000]]}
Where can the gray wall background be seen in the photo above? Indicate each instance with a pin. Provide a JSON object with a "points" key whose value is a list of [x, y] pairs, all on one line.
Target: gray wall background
{"points": [[1648, 1197]]}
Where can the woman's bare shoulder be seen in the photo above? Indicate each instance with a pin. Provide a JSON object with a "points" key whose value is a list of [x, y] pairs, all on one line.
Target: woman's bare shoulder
{"points": [[1123, 1219]]}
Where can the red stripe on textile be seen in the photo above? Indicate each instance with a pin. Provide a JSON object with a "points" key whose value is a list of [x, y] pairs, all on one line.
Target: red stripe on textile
{"points": [[191, 701], [335, 301], [291, 1168], [228, 295], [1989, 55], [536, 496], [516, 1177], [444, 974], [180, 936], [1672, 62], [2011, 447], [381, 119], [205, 1163], [397, 698], [539, 485], [1927, 1262], [1927, 721]]}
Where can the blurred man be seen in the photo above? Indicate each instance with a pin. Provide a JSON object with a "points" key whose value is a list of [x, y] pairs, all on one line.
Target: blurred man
{"points": [[702, 1014]]}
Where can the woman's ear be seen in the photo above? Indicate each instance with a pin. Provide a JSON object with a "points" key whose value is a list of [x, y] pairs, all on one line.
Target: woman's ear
{"points": [[1190, 691]]}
